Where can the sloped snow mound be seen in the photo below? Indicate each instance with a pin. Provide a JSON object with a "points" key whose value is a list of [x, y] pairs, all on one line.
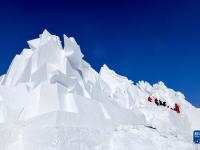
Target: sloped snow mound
{"points": [[51, 99]]}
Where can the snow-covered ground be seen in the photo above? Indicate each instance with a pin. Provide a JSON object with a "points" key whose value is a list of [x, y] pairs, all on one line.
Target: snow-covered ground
{"points": [[52, 99]]}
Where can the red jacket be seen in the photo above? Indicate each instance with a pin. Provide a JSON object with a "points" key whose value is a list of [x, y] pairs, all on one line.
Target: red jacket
{"points": [[149, 99], [177, 108]]}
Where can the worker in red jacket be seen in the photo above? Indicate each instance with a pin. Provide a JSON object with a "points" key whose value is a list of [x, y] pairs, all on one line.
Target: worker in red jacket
{"points": [[177, 108], [149, 99]]}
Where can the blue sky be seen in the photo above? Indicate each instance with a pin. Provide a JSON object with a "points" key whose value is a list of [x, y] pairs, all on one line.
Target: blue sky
{"points": [[143, 40]]}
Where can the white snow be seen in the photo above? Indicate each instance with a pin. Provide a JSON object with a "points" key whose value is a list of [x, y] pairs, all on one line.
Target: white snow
{"points": [[52, 99]]}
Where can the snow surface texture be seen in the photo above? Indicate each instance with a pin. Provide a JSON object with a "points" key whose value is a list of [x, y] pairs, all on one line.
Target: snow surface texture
{"points": [[51, 99]]}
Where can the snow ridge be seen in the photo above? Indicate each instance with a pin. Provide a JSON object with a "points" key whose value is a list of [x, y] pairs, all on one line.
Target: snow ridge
{"points": [[52, 99]]}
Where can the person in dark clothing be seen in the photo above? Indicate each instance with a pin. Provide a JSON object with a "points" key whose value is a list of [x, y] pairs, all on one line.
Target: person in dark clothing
{"points": [[160, 102], [164, 104], [156, 101]]}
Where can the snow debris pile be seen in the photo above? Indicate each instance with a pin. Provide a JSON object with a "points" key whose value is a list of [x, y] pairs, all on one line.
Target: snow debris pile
{"points": [[51, 99]]}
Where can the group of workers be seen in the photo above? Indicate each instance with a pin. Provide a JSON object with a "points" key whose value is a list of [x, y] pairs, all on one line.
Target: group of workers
{"points": [[161, 103]]}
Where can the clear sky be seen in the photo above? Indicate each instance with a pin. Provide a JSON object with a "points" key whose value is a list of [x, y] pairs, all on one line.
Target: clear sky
{"points": [[143, 40]]}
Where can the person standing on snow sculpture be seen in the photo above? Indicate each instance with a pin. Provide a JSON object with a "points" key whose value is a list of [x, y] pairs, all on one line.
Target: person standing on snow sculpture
{"points": [[164, 104], [149, 99], [160, 102], [156, 101], [177, 108]]}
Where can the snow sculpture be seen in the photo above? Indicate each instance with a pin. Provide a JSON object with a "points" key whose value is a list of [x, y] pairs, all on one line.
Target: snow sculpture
{"points": [[51, 98]]}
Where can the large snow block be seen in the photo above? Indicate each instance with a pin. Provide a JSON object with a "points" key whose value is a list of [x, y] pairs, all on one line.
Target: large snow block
{"points": [[62, 79], [26, 73], [70, 83], [43, 73], [33, 100], [124, 116], [62, 130], [96, 111], [45, 37], [49, 99], [40, 75], [19, 70], [89, 111], [12, 71], [34, 44], [73, 52], [52, 54], [88, 73], [69, 104], [70, 71], [8, 114], [14, 97]]}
